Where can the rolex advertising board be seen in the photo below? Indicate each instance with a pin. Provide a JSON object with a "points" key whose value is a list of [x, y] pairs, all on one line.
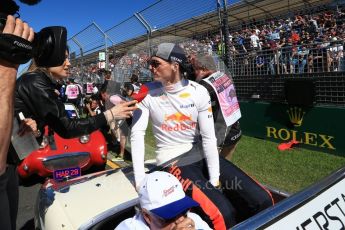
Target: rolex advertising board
{"points": [[319, 128]]}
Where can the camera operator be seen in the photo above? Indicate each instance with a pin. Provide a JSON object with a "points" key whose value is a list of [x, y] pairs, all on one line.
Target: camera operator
{"points": [[11, 30]]}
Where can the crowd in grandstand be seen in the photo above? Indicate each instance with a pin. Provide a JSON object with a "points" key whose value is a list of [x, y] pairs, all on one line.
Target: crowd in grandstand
{"points": [[307, 42], [304, 43], [299, 44]]}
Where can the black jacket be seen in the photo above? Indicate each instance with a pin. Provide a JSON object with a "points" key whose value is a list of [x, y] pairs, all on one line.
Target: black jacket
{"points": [[36, 98]]}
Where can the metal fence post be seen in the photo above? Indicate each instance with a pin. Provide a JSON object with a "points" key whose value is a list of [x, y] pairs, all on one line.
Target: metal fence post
{"points": [[81, 52], [106, 37], [226, 35], [219, 11], [147, 27]]}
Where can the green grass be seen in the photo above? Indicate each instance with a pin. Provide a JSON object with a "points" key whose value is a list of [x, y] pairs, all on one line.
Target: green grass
{"points": [[149, 143], [290, 170]]}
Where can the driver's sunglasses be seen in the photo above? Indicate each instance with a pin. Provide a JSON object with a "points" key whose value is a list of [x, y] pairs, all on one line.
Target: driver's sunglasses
{"points": [[164, 222], [154, 63]]}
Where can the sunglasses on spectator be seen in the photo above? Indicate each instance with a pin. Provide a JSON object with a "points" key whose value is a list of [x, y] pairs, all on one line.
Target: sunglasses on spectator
{"points": [[164, 222], [154, 63]]}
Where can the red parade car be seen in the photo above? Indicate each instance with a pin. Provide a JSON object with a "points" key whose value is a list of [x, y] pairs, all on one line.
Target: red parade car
{"points": [[59, 157]]}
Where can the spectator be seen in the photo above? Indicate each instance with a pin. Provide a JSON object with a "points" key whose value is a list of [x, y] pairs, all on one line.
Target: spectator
{"points": [[127, 90], [269, 55], [310, 59], [104, 96], [303, 54], [124, 126], [135, 83], [107, 75], [285, 54], [61, 90], [94, 89], [73, 93], [93, 107], [335, 55], [255, 41], [260, 65], [89, 87], [163, 205], [104, 101]]}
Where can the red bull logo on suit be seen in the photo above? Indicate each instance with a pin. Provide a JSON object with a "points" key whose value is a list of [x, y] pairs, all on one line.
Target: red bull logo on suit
{"points": [[178, 121]]}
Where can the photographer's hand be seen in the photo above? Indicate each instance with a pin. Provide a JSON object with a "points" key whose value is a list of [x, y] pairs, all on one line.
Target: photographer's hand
{"points": [[18, 28]]}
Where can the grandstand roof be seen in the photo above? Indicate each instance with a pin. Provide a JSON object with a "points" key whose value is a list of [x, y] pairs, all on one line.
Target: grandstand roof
{"points": [[242, 11]]}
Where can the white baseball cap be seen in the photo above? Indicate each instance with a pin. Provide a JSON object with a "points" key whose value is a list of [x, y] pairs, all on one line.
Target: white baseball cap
{"points": [[162, 194]]}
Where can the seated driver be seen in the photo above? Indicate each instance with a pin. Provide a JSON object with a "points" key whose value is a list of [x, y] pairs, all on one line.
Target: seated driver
{"points": [[164, 205]]}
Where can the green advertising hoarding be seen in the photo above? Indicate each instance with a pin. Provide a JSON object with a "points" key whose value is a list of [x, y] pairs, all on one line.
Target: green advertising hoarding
{"points": [[319, 128]]}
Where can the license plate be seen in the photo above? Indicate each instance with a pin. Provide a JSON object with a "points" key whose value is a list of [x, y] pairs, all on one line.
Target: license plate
{"points": [[61, 174]]}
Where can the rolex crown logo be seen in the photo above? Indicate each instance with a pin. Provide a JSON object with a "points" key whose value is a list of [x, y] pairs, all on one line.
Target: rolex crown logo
{"points": [[296, 116]]}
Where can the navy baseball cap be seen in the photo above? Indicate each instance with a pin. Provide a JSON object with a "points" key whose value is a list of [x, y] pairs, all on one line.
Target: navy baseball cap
{"points": [[171, 52]]}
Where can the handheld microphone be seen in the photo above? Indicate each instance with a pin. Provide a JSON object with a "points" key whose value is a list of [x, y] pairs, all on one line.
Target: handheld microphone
{"points": [[143, 91], [118, 99]]}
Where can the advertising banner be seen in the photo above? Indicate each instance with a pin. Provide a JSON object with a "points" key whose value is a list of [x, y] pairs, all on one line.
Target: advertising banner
{"points": [[319, 128]]}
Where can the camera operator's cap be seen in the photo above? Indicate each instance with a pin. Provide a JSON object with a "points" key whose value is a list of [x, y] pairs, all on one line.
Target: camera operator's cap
{"points": [[171, 52], [162, 194]]}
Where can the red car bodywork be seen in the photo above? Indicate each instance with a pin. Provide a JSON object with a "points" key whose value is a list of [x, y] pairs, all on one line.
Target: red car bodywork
{"points": [[68, 153], [59, 153]]}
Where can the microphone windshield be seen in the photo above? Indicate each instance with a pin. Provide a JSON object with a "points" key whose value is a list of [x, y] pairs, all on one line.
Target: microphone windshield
{"points": [[144, 90]]}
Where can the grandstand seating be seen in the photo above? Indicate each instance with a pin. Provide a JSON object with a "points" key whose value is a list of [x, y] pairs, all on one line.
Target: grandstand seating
{"points": [[295, 39]]}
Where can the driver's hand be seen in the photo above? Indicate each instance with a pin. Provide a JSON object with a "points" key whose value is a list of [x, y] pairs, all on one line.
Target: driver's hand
{"points": [[184, 223]]}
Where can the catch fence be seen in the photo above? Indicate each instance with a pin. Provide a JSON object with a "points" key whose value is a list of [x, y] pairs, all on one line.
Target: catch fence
{"points": [[200, 23]]}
